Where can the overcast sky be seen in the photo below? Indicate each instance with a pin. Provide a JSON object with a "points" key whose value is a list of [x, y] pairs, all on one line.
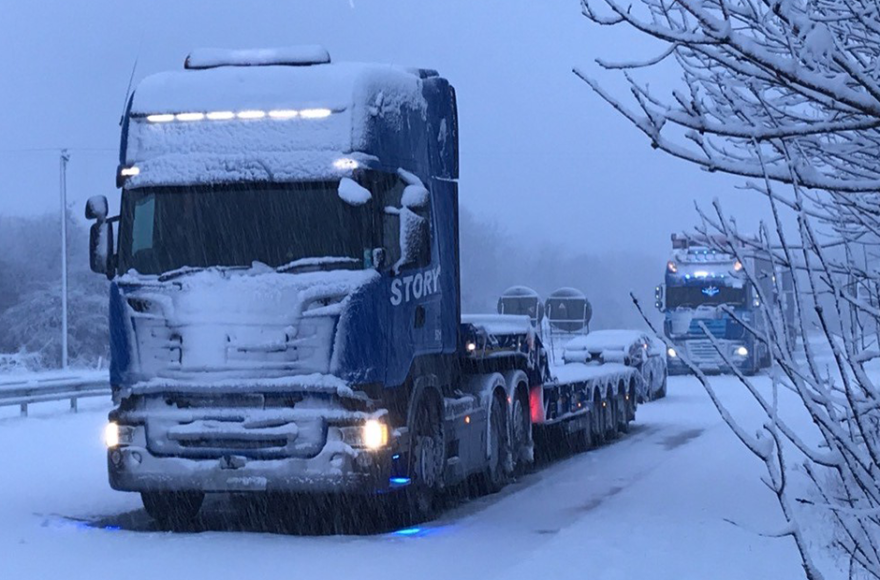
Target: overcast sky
{"points": [[539, 150]]}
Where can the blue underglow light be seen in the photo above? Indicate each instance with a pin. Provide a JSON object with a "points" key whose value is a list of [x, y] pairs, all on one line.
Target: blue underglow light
{"points": [[395, 456], [399, 481], [408, 532]]}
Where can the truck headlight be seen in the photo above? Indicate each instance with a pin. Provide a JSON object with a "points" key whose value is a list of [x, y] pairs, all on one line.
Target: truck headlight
{"points": [[741, 351], [375, 434], [116, 435], [671, 352]]}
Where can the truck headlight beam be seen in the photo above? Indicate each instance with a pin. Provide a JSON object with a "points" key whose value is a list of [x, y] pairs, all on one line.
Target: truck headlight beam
{"points": [[375, 434], [116, 435]]}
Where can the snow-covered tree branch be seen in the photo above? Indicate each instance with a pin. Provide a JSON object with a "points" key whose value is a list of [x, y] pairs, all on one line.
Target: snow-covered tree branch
{"points": [[786, 93]]}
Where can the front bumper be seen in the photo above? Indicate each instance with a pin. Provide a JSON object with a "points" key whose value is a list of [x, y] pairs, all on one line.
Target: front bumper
{"points": [[704, 356], [338, 468]]}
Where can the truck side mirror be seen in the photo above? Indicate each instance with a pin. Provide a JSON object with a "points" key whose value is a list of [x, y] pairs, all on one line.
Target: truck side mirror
{"points": [[378, 258], [658, 297], [415, 240], [97, 208], [101, 255]]}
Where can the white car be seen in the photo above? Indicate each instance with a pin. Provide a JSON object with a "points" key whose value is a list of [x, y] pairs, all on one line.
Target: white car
{"points": [[632, 348]]}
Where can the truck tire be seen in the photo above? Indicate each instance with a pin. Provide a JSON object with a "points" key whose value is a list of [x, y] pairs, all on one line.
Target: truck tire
{"points": [[427, 460], [588, 436], [611, 414], [521, 436], [498, 448], [172, 509], [622, 408], [597, 422]]}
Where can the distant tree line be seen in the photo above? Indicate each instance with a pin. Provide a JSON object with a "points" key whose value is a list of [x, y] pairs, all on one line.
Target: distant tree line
{"points": [[492, 260], [30, 295]]}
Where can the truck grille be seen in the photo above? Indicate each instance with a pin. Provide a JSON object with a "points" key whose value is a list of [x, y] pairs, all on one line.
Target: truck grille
{"points": [[717, 327], [703, 352], [257, 433]]}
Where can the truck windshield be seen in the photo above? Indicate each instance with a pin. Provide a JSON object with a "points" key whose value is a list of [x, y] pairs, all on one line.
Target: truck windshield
{"points": [[693, 296], [168, 228]]}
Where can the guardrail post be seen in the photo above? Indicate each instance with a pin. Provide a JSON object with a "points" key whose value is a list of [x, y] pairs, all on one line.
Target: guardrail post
{"points": [[24, 409], [73, 404]]}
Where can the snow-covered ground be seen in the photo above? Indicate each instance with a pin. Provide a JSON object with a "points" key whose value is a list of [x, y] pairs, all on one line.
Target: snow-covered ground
{"points": [[653, 505]]}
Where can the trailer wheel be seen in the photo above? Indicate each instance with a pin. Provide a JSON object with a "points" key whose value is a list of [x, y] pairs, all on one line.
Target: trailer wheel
{"points": [[622, 404], [597, 422], [521, 435], [611, 414], [173, 510], [588, 435], [426, 463], [498, 448]]}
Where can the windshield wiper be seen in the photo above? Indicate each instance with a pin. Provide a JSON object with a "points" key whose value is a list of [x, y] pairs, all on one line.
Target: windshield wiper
{"points": [[314, 264], [186, 270]]}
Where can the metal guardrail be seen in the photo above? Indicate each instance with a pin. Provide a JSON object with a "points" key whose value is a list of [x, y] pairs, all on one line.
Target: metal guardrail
{"points": [[30, 390]]}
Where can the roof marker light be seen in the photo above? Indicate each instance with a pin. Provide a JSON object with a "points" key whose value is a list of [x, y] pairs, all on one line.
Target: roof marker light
{"points": [[284, 114], [670, 265], [345, 163], [162, 118], [220, 115], [251, 114], [189, 116], [130, 171], [315, 113]]}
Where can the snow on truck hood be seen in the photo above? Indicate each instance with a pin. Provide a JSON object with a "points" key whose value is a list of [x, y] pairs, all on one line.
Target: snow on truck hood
{"points": [[216, 327], [260, 122]]}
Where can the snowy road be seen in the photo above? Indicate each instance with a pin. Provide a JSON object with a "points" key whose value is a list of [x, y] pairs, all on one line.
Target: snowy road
{"points": [[653, 506]]}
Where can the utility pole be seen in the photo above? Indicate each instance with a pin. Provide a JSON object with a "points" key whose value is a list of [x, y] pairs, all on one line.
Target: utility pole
{"points": [[65, 157]]}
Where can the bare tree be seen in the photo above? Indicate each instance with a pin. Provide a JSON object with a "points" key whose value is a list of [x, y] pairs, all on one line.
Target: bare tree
{"points": [[786, 93]]}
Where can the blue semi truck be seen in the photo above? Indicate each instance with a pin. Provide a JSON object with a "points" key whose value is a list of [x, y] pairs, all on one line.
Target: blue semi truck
{"points": [[703, 282], [285, 300]]}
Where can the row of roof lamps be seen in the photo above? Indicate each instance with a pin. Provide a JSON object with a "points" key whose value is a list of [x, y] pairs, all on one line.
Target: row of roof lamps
{"points": [[280, 114], [672, 267]]}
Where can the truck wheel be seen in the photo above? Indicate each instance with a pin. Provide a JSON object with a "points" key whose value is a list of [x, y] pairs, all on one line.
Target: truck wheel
{"points": [[622, 407], [611, 414], [521, 436], [597, 423], [498, 459], [426, 464], [172, 509], [588, 436]]}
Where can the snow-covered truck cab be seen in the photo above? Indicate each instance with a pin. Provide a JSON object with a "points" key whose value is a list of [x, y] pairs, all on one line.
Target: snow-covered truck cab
{"points": [[287, 257], [701, 285]]}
